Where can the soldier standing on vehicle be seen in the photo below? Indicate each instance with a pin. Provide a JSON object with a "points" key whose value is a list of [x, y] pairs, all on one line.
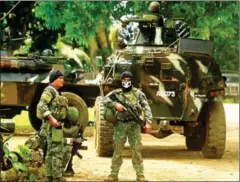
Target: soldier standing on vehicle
{"points": [[126, 127], [52, 106], [154, 12]]}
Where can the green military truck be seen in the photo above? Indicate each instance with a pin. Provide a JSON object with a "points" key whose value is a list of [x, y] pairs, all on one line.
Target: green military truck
{"points": [[182, 82]]}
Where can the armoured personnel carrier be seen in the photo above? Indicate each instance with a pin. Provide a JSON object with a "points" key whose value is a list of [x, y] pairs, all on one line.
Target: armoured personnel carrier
{"points": [[24, 77], [180, 78]]}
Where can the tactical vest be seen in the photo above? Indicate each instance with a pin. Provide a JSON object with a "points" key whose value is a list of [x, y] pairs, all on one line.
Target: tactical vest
{"points": [[133, 97], [58, 108]]}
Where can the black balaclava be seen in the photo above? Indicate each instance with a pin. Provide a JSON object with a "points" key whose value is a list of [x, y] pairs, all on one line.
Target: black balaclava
{"points": [[126, 86], [55, 74]]}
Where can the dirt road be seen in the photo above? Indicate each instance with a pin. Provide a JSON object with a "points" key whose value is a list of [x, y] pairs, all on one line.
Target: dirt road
{"points": [[166, 159]]}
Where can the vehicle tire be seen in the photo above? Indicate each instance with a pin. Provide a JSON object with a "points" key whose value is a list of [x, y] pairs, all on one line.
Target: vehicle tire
{"points": [[35, 122], [214, 130], [103, 132], [193, 143], [79, 103], [73, 100]]}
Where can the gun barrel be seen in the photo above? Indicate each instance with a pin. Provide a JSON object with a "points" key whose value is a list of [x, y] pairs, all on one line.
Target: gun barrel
{"points": [[84, 147], [7, 126], [79, 155]]}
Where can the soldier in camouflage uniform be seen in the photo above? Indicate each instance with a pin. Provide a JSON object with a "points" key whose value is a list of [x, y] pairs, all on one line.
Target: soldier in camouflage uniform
{"points": [[154, 13], [125, 127], [50, 107]]}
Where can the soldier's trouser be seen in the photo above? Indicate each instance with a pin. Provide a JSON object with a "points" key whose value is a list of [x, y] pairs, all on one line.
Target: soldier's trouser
{"points": [[43, 137], [67, 156], [132, 131], [54, 159]]}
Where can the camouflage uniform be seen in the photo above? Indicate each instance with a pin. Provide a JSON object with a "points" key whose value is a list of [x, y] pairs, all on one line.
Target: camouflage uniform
{"points": [[55, 140], [127, 128], [67, 156], [68, 149]]}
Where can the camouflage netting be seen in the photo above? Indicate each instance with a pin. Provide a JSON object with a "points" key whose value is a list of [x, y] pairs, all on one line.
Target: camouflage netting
{"points": [[23, 164]]}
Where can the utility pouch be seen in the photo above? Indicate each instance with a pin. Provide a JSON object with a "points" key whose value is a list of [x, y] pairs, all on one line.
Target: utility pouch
{"points": [[57, 135], [43, 130]]}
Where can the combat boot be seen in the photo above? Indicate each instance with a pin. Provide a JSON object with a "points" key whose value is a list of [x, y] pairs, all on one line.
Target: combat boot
{"points": [[48, 179], [111, 178], [69, 172], [59, 179], [141, 178]]}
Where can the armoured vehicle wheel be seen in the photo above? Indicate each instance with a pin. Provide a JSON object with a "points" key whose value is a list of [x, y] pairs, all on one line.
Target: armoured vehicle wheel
{"points": [[214, 130], [79, 103], [193, 143], [32, 115], [103, 132]]}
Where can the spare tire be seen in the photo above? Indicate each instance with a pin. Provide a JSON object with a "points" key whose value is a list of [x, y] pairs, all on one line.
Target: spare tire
{"points": [[73, 100], [79, 103], [35, 122], [103, 131]]}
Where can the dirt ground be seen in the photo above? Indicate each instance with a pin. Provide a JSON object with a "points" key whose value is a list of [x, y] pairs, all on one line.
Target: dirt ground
{"points": [[164, 160]]}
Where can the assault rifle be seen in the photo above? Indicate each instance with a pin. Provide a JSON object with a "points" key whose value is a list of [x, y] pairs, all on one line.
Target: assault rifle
{"points": [[77, 145], [130, 108]]}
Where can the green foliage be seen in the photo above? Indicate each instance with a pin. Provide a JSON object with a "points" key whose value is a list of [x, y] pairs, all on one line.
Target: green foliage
{"points": [[6, 151], [31, 177], [24, 49], [24, 152], [20, 166], [216, 21], [13, 157], [79, 19]]}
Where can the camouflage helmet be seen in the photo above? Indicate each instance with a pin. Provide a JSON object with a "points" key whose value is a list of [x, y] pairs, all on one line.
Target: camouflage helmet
{"points": [[73, 115], [110, 115], [154, 7]]}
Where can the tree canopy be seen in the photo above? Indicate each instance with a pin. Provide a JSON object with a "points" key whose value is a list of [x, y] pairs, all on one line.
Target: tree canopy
{"points": [[86, 24]]}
